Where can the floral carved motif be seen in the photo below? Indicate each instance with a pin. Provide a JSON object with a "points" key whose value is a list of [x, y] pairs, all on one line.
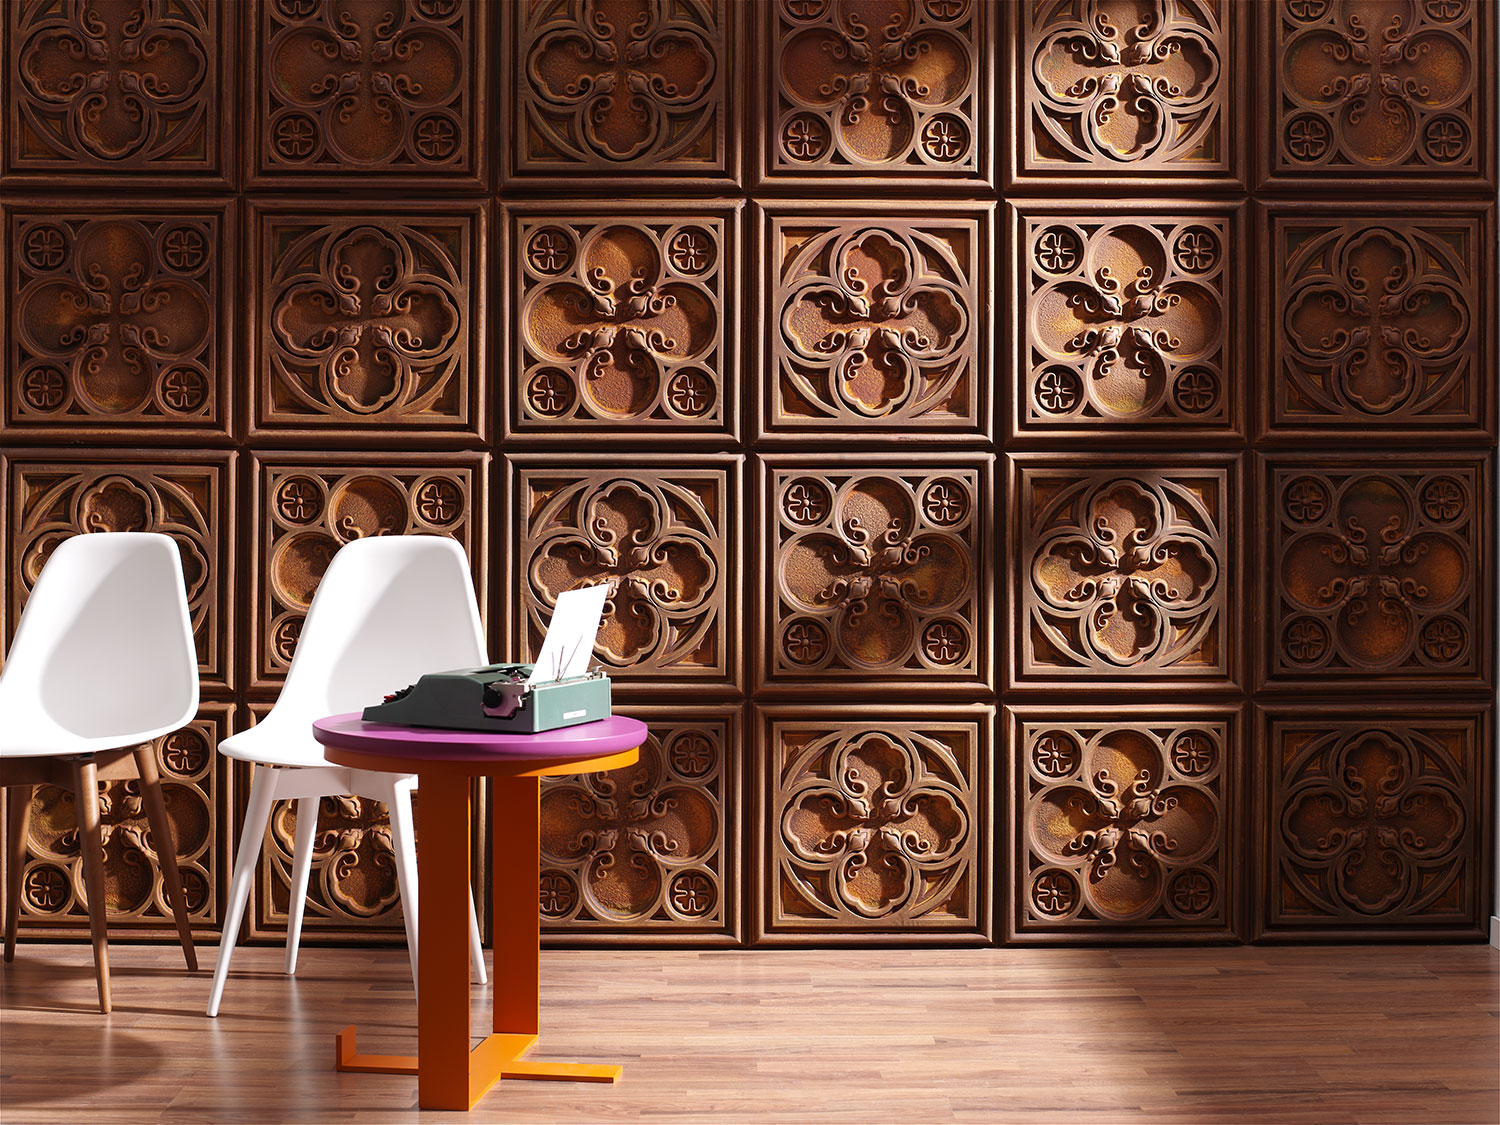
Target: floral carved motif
{"points": [[114, 85], [1378, 88], [660, 538], [622, 85], [889, 88], [1378, 321], [643, 848], [52, 501], [115, 320], [368, 318], [1127, 321], [367, 85], [353, 878], [876, 572], [1378, 572], [622, 323], [874, 827], [1117, 87], [1123, 575], [1123, 826], [52, 883], [874, 324], [308, 511], [1374, 822]]}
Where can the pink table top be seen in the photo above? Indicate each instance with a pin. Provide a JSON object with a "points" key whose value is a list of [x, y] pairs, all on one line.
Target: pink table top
{"points": [[349, 737]]}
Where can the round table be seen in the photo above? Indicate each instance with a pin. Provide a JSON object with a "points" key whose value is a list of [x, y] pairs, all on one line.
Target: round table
{"points": [[449, 1074]]}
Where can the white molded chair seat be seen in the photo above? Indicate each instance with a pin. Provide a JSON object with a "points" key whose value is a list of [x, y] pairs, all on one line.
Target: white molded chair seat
{"points": [[103, 661], [387, 610]]}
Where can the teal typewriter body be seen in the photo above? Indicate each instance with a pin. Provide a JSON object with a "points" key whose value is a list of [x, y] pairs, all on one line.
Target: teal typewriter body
{"points": [[495, 698]]}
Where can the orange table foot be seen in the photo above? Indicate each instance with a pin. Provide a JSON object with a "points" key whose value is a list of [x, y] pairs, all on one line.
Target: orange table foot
{"points": [[346, 1057]]}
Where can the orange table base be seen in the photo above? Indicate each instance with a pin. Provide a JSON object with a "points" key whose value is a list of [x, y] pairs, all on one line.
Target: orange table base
{"points": [[450, 1075]]}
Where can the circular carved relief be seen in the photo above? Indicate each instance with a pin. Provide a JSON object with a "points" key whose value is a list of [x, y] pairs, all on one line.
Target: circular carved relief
{"points": [[806, 501], [365, 506], [1058, 390], [183, 389], [691, 251], [1054, 893], [691, 754], [1194, 754], [295, 136], [945, 642], [1055, 754], [1196, 250], [550, 251], [945, 502], [550, 394], [1307, 138], [1305, 640], [805, 642], [1193, 892], [805, 137], [440, 502], [44, 388], [1306, 500], [45, 246], [1444, 640], [1446, 139], [299, 500], [693, 894], [435, 137], [298, 565], [945, 138], [1442, 500], [1058, 250], [691, 393], [559, 894], [1196, 391]]}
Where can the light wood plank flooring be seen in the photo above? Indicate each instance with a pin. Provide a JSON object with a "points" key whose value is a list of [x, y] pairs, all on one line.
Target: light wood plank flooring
{"points": [[1326, 1035]]}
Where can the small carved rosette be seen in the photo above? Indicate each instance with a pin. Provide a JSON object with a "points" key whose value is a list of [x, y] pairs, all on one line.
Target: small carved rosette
{"points": [[623, 322], [1374, 823], [1126, 321], [1378, 572], [874, 326], [1377, 90], [53, 500], [875, 826], [1379, 319], [891, 89], [53, 893], [1123, 826], [647, 849], [384, 87], [112, 88], [115, 320], [309, 509], [1126, 89], [1123, 573], [878, 573], [368, 318], [662, 538], [622, 88]]}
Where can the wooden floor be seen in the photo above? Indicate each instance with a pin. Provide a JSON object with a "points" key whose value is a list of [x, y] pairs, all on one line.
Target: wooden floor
{"points": [[1382, 1034]]}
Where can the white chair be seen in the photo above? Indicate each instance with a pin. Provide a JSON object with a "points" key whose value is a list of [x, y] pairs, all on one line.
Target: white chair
{"points": [[388, 609], [103, 661]]}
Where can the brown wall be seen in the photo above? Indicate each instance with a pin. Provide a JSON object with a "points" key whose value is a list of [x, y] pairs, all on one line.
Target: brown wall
{"points": [[1046, 451]]}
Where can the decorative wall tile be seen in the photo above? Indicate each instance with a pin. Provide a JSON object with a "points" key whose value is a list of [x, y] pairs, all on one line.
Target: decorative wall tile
{"points": [[128, 88], [898, 92], [1390, 93], [393, 89], [1379, 570], [364, 316], [1125, 823], [1379, 320], [118, 321], [307, 506], [652, 850], [53, 494], [877, 574], [874, 322], [627, 321], [664, 535], [1128, 321], [194, 784], [615, 89], [1123, 574], [874, 822], [1130, 91], [1375, 822]]}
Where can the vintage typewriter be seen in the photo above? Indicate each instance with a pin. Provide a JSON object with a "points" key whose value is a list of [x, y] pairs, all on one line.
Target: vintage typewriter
{"points": [[558, 690]]}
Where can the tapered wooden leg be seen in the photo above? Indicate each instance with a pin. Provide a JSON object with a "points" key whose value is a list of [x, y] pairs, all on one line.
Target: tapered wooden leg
{"points": [[91, 845], [18, 818], [166, 849]]}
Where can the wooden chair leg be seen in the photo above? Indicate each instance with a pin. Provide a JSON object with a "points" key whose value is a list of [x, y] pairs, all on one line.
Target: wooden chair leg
{"points": [[166, 848], [91, 844], [18, 818]]}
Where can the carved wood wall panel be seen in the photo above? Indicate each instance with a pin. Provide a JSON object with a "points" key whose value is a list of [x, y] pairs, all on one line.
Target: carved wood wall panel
{"points": [[654, 848], [54, 494], [307, 506], [740, 306], [1373, 821], [387, 89], [195, 788], [627, 322], [132, 89], [1125, 822], [364, 316]]}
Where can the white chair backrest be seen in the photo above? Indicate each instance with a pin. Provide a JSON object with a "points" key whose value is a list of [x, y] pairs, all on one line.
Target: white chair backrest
{"points": [[104, 650], [389, 608]]}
